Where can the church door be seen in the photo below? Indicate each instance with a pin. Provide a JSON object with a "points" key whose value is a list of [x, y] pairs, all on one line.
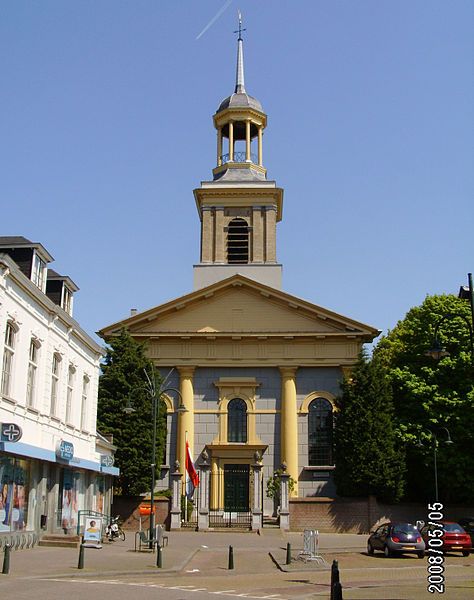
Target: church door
{"points": [[236, 488]]}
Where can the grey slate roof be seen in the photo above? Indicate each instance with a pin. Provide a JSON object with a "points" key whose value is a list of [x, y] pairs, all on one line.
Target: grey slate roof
{"points": [[14, 240], [240, 100]]}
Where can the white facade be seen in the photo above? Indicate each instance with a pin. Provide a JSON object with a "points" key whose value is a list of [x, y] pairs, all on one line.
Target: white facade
{"points": [[48, 388]]}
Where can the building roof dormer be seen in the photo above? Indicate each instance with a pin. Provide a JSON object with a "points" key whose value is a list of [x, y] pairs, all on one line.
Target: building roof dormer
{"points": [[60, 289], [31, 257]]}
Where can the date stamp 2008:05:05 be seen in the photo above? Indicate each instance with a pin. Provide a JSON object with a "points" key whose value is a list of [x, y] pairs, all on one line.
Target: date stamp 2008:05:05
{"points": [[434, 549]]}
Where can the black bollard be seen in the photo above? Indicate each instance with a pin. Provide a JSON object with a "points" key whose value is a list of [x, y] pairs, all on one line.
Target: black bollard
{"points": [[337, 591], [6, 560], [80, 564], [288, 553], [334, 577], [159, 556], [231, 557]]}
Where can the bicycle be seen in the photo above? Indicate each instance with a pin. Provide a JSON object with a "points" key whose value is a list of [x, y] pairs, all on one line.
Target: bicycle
{"points": [[113, 530]]}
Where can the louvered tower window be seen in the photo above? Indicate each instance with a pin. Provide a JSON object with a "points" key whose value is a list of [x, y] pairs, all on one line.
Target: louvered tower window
{"points": [[238, 242]]}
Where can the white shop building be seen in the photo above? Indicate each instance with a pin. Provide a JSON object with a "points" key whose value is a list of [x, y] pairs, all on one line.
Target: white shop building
{"points": [[53, 462]]}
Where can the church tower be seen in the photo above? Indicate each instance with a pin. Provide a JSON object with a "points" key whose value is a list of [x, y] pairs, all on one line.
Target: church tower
{"points": [[239, 209]]}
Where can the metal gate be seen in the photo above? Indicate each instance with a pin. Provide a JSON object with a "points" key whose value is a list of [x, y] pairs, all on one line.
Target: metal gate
{"points": [[190, 510], [230, 496]]}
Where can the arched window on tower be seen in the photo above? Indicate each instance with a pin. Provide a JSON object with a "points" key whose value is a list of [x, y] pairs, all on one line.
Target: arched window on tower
{"points": [[237, 421], [320, 433], [238, 242]]}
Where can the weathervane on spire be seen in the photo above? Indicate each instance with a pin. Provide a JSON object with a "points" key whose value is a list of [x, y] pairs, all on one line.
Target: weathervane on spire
{"points": [[239, 30]]}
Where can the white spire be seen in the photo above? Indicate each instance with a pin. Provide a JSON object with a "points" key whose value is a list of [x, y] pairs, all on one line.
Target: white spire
{"points": [[239, 79]]}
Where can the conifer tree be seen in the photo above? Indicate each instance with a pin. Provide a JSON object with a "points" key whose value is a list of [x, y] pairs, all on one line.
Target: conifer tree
{"points": [[368, 460], [123, 383]]}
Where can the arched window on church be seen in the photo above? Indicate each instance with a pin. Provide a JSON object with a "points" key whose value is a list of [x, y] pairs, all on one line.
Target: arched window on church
{"points": [[320, 433], [237, 421], [238, 242]]}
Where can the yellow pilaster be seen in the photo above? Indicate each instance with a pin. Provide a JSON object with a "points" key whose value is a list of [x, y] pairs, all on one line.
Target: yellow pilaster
{"points": [[289, 423], [185, 419], [270, 234], [220, 252], [247, 140], [215, 487], [260, 149], [231, 141], [207, 235]]}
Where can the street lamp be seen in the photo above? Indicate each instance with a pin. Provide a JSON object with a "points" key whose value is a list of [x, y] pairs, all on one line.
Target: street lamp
{"points": [[155, 395], [437, 351], [435, 451]]}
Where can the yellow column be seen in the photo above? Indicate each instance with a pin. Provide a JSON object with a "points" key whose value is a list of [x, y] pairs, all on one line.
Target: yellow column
{"points": [[247, 140], [231, 141], [289, 423], [185, 419], [219, 147], [260, 149]]}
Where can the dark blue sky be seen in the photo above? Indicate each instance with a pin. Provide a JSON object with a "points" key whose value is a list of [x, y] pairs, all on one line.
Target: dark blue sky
{"points": [[106, 127]]}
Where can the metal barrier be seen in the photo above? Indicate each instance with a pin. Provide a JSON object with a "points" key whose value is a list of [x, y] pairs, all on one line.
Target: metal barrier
{"points": [[310, 550]]}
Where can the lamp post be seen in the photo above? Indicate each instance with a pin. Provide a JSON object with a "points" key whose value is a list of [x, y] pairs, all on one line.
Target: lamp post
{"points": [[155, 395], [435, 452], [437, 351]]}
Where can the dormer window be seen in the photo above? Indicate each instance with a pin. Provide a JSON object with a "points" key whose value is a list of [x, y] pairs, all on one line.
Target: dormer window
{"points": [[38, 272], [66, 300]]}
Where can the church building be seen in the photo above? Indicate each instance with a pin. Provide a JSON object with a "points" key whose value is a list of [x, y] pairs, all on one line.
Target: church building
{"points": [[258, 369]]}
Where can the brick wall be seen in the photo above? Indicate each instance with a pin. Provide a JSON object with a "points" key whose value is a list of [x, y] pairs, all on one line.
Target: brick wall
{"points": [[359, 515], [127, 508]]}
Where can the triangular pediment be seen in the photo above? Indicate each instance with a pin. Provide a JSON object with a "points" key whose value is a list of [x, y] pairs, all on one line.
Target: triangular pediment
{"points": [[238, 305]]}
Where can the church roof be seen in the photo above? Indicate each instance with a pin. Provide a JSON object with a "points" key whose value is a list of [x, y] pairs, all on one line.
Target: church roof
{"points": [[279, 314]]}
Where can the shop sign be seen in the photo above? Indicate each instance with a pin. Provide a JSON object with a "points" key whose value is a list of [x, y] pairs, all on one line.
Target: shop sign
{"points": [[92, 532], [10, 432], [106, 460], [64, 450]]}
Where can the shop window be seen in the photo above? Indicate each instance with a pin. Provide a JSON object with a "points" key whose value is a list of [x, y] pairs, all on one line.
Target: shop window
{"points": [[14, 489], [237, 421], [320, 433]]}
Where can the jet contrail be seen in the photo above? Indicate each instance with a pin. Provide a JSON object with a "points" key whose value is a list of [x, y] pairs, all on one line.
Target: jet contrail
{"points": [[214, 19]]}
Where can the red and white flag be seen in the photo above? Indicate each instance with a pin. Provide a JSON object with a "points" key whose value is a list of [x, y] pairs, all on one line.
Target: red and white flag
{"points": [[192, 476]]}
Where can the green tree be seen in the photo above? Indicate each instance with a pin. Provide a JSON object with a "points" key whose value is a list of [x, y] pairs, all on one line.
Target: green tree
{"points": [[430, 395], [123, 383], [368, 457]]}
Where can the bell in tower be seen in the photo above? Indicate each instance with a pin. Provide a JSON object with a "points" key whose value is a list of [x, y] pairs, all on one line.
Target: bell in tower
{"points": [[239, 208]]}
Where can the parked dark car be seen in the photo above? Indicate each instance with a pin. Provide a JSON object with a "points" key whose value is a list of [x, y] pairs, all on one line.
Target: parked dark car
{"points": [[467, 523], [455, 539], [396, 538]]}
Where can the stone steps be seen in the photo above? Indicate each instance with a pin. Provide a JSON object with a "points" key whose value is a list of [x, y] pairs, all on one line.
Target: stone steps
{"points": [[60, 541]]}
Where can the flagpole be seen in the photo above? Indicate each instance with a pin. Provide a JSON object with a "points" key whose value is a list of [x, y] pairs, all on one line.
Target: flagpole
{"points": [[186, 475]]}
